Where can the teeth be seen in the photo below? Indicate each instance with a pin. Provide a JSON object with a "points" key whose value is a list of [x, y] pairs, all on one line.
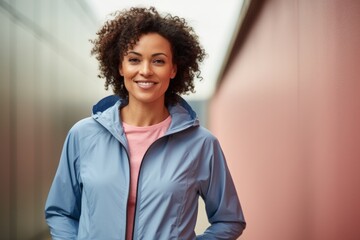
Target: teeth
{"points": [[145, 85]]}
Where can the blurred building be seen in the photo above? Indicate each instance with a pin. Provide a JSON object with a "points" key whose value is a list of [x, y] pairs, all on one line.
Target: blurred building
{"points": [[47, 77]]}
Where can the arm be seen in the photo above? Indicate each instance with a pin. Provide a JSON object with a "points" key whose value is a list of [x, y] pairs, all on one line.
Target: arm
{"points": [[221, 201], [63, 205]]}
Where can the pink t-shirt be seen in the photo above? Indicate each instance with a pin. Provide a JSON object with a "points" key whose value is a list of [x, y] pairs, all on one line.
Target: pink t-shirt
{"points": [[139, 140]]}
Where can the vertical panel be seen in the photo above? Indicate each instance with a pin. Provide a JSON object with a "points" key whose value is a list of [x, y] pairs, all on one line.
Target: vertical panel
{"points": [[25, 132], [42, 122], [47, 143], [330, 89], [255, 117], [5, 127]]}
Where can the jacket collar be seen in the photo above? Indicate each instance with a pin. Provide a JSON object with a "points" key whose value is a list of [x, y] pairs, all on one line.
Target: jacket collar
{"points": [[106, 112]]}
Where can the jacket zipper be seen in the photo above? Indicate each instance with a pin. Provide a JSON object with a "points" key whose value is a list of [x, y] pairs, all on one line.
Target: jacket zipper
{"points": [[127, 200], [142, 160], [137, 184]]}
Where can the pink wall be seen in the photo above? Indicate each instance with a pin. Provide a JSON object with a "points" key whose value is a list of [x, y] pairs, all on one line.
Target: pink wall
{"points": [[288, 117]]}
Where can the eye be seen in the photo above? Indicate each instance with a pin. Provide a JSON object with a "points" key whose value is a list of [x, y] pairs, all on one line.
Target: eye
{"points": [[158, 61], [133, 60]]}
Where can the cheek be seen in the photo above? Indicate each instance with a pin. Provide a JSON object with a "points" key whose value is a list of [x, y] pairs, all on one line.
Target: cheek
{"points": [[125, 69], [127, 73]]}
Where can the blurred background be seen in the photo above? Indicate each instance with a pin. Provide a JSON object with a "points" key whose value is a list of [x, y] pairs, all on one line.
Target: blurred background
{"points": [[281, 91]]}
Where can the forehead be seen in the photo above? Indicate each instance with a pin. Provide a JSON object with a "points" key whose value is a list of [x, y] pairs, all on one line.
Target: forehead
{"points": [[152, 42]]}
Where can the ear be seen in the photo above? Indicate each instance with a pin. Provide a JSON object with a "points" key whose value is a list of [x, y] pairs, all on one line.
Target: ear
{"points": [[120, 71], [173, 73]]}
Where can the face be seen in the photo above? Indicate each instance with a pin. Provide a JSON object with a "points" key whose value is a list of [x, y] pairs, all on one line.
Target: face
{"points": [[147, 69]]}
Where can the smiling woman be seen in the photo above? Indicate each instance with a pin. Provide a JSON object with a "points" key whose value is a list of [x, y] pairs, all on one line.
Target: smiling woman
{"points": [[137, 168], [120, 35]]}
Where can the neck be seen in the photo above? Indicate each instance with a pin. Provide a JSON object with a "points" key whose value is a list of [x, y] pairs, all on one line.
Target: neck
{"points": [[143, 114]]}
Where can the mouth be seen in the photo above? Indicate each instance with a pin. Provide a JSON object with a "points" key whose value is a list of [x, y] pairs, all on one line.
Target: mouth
{"points": [[145, 84]]}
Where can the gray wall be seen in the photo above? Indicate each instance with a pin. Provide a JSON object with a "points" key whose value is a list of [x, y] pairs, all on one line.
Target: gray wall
{"points": [[48, 82]]}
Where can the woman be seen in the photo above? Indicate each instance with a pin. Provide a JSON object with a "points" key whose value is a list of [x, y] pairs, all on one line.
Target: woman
{"points": [[135, 169]]}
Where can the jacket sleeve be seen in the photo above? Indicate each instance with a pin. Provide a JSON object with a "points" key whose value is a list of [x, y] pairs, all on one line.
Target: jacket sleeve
{"points": [[221, 200], [62, 209]]}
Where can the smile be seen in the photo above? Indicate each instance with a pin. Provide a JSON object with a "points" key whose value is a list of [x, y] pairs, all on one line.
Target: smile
{"points": [[145, 84]]}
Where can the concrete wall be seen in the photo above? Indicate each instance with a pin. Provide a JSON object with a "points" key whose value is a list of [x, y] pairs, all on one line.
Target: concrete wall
{"points": [[288, 116]]}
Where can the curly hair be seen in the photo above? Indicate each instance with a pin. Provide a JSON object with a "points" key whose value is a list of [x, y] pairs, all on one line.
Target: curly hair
{"points": [[120, 34]]}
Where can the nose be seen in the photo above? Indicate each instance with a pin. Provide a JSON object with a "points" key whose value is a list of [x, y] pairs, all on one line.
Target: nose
{"points": [[146, 69]]}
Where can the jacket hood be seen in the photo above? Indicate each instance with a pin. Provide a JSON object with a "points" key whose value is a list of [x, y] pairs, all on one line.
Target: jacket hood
{"points": [[106, 113]]}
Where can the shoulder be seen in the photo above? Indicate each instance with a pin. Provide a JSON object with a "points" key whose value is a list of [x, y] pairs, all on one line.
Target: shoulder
{"points": [[83, 135], [205, 133], [85, 127], [198, 136]]}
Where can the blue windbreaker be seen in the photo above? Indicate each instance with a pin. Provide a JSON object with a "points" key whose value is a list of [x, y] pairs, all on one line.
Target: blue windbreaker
{"points": [[89, 194]]}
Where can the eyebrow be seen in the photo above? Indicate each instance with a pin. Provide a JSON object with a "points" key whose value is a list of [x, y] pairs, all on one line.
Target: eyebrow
{"points": [[153, 55]]}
